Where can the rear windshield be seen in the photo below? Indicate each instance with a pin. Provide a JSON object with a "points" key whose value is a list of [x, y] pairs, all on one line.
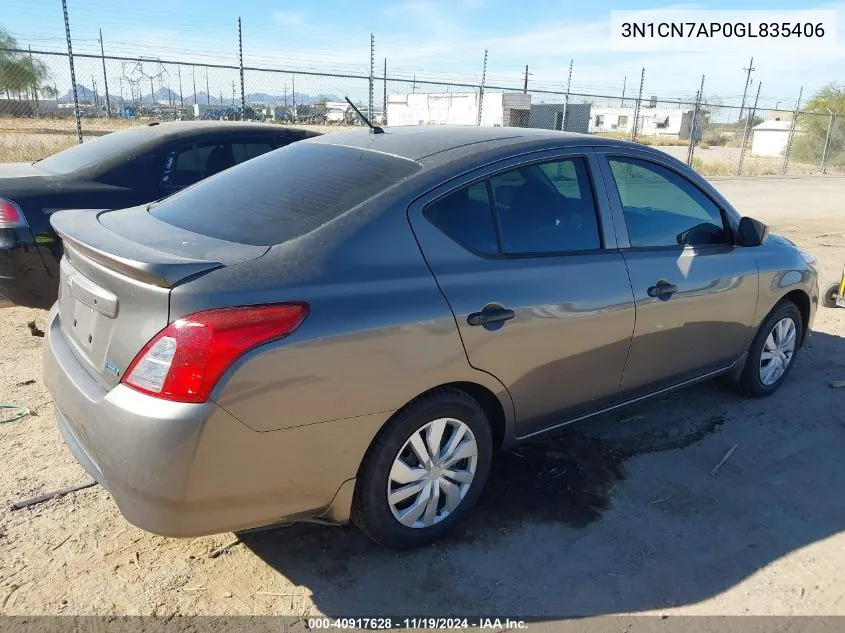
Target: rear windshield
{"points": [[94, 151], [284, 194]]}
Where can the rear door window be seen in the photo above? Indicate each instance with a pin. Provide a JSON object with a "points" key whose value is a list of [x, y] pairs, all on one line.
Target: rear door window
{"points": [[550, 210], [466, 216], [284, 194]]}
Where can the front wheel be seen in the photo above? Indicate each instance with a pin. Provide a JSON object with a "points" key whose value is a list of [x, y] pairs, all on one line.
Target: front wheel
{"points": [[830, 296], [425, 470], [772, 353]]}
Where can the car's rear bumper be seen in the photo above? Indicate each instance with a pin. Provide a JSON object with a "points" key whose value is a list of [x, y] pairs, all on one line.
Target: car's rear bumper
{"points": [[180, 469]]}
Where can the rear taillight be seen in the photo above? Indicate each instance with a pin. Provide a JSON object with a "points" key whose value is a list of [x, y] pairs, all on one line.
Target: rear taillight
{"points": [[11, 216], [185, 360]]}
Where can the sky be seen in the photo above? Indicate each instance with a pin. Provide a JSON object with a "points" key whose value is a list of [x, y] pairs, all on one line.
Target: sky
{"points": [[427, 39]]}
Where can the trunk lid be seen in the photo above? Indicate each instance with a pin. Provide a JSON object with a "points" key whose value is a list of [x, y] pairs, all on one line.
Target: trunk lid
{"points": [[116, 276]]}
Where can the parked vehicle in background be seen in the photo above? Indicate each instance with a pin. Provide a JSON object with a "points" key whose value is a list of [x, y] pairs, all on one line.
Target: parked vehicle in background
{"points": [[121, 169], [349, 327]]}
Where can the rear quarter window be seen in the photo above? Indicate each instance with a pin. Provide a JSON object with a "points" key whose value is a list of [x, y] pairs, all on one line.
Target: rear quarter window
{"points": [[284, 194]]}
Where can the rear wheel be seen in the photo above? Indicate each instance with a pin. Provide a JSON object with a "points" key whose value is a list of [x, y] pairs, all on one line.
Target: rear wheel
{"points": [[425, 470], [830, 296], [772, 353]]}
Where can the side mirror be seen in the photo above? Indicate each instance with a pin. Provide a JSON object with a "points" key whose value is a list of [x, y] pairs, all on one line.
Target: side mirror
{"points": [[751, 232]]}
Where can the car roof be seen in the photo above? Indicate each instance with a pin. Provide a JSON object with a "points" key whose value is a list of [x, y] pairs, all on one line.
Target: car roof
{"points": [[177, 129], [434, 145]]}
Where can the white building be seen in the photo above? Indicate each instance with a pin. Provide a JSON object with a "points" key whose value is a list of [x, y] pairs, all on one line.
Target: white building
{"points": [[770, 138], [651, 121], [510, 109]]}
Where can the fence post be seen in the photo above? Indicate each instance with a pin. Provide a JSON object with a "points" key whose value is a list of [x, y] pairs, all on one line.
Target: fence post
{"points": [[792, 131], [72, 74], [181, 96], [207, 89], [480, 88], [241, 63], [826, 150], [384, 106], [749, 117], [566, 98], [637, 106], [34, 85], [695, 113], [105, 78], [372, 67]]}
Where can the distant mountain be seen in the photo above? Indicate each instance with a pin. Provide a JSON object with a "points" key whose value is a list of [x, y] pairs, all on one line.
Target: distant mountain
{"points": [[167, 96]]}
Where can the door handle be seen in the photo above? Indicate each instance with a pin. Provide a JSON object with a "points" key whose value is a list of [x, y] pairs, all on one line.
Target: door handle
{"points": [[486, 317], [663, 290]]}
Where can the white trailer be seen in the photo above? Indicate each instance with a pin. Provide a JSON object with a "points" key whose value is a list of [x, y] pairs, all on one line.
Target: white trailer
{"points": [[498, 109]]}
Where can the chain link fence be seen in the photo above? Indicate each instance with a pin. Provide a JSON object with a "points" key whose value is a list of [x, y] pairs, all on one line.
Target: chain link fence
{"points": [[40, 105]]}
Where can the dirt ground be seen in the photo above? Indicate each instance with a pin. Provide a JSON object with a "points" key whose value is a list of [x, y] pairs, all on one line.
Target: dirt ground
{"points": [[615, 515]]}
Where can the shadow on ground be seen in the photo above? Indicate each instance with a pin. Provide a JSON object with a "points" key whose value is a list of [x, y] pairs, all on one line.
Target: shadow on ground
{"points": [[617, 514]]}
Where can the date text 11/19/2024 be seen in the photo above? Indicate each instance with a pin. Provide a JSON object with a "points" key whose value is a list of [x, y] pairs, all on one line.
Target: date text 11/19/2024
{"points": [[415, 623]]}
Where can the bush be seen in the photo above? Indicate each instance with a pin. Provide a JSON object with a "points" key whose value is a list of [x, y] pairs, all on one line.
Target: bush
{"points": [[712, 138]]}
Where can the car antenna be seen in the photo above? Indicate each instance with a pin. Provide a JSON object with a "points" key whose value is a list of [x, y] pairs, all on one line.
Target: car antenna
{"points": [[373, 128]]}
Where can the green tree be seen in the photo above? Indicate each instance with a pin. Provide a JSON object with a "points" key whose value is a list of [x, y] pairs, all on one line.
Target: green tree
{"points": [[812, 125], [20, 74]]}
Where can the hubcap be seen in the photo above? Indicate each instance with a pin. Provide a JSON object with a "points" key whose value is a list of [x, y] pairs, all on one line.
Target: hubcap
{"points": [[432, 473], [777, 351]]}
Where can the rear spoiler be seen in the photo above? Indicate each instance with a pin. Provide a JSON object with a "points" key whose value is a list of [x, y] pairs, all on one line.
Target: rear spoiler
{"points": [[84, 235]]}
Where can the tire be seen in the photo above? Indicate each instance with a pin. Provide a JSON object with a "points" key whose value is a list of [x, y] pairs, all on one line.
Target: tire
{"points": [[830, 296], [374, 514], [751, 382]]}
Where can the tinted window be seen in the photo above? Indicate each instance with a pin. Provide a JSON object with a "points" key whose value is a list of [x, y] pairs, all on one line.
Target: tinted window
{"points": [[546, 208], [662, 208], [467, 217], [247, 151], [182, 168], [94, 151], [282, 195]]}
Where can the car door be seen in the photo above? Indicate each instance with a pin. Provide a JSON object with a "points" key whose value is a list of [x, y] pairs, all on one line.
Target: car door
{"points": [[525, 254], [695, 291]]}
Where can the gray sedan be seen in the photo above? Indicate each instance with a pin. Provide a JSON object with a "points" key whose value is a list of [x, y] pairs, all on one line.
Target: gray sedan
{"points": [[351, 326]]}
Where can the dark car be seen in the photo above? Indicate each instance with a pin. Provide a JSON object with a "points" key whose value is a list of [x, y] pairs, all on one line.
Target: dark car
{"points": [[121, 169], [349, 327]]}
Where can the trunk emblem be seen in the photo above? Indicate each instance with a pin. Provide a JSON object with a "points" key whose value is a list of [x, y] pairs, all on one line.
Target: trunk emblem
{"points": [[112, 369]]}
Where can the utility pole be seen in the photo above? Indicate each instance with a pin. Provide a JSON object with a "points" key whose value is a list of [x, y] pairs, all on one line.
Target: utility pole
{"points": [[792, 130], [747, 83], [748, 120], [624, 83], [105, 78], [233, 93], [566, 98], [241, 54], [414, 86], [637, 106], [525, 83], [481, 87], [72, 74]]}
